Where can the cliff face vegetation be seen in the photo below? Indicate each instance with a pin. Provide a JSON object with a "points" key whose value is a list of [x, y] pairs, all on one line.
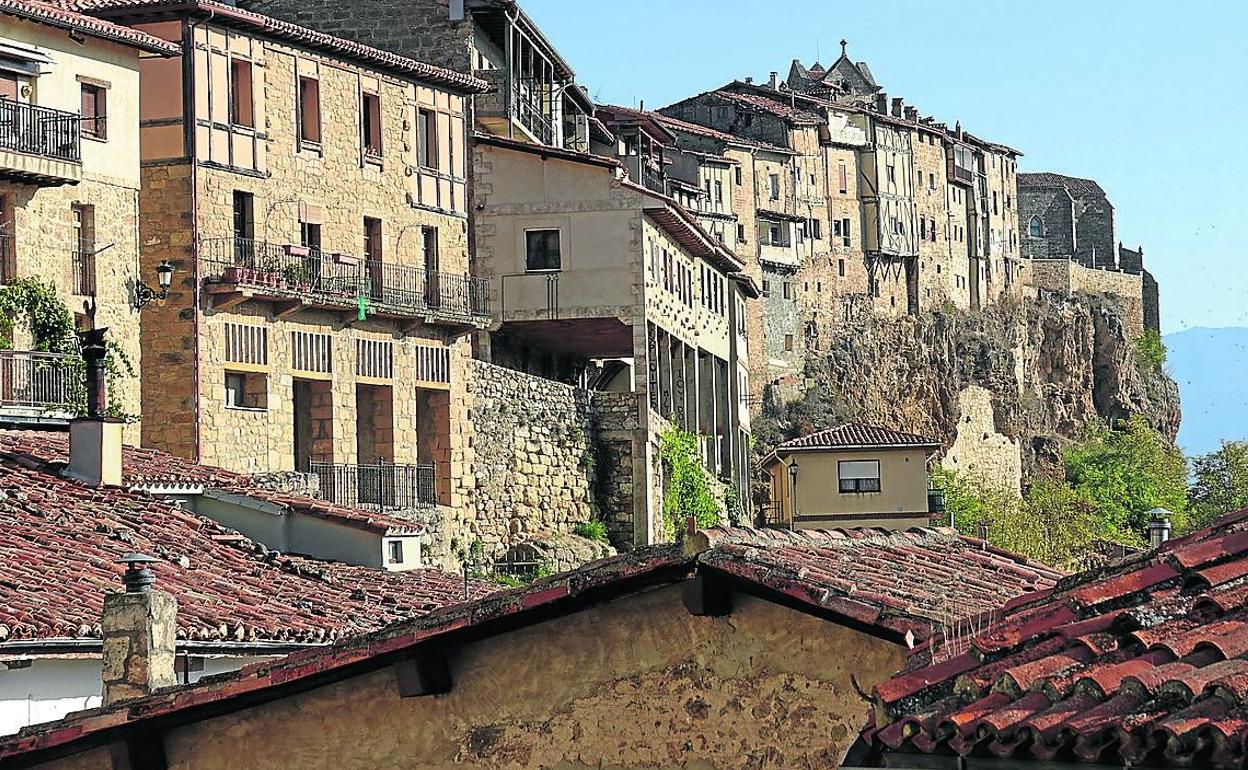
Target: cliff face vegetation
{"points": [[1001, 389]]}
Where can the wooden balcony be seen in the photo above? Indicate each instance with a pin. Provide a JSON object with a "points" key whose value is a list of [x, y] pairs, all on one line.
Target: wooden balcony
{"points": [[39, 145]]}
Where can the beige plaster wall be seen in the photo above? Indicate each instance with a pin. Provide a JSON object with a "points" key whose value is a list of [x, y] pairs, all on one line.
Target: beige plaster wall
{"points": [[903, 486], [635, 683]]}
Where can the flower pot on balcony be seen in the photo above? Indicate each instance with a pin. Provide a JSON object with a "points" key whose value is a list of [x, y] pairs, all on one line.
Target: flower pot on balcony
{"points": [[297, 251], [232, 275], [346, 259]]}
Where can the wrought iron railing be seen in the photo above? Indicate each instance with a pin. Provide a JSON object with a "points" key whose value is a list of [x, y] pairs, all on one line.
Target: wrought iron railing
{"points": [[415, 290], [320, 277], [36, 379], [772, 515], [532, 116], [377, 486], [41, 131]]}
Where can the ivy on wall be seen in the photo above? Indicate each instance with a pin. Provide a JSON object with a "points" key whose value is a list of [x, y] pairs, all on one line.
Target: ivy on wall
{"points": [[688, 486], [33, 303]]}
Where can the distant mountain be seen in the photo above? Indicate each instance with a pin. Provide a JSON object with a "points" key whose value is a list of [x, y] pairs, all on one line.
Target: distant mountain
{"points": [[1209, 365]]}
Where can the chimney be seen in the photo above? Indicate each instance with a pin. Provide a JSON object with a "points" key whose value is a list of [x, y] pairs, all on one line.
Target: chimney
{"points": [[773, 80], [95, 440], [897, 106], [912, 114], [881, 103], [749, 80], [1158, 527], [139, 628]]}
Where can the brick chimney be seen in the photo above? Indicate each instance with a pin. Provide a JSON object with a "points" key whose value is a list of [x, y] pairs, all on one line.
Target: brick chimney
{"points": [[139, 629], [95, 440]]}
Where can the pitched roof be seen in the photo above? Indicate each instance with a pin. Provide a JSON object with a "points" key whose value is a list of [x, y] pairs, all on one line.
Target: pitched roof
{"points": [[861, 578], [678, 125], [150, 469], [858, 436], [771, 106], [60, 539], [1144, 662], [227, 13], [617, 113], [1076, 185], [52, 15]]}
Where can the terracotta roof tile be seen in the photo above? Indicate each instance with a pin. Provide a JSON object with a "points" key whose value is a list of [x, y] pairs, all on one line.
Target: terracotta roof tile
{"points": [[1152, 669], [56, 16], [60, 540], [774, 107], [855, 435], [285, 30]]}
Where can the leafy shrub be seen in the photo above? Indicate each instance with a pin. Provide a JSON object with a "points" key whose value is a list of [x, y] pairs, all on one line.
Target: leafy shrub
{"points": [[592, 530]]}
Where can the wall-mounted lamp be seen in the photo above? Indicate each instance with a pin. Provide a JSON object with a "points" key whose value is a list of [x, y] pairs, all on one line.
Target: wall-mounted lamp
{"points": [[144, 294]]}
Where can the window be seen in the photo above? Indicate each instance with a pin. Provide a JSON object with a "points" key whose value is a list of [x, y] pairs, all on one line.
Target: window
{"points": [[994, 202], [242, 109], [84, 249], [858, 476], [94, 111], [246, 390], [370, 120], [923, 228], [892, 173], [788, 290], [816, 229], [840, 267], [788, 343], [845, 232], [931, 181], [244, 215], [766, 288], [394, 552], [737, 175], [719, 192], [309, 111], [542, 250], [773, 182], [310, 235], [740, 233], [1035, 228], [842, 174], [800, 229], [427, 139], [372, 239], [773, 235]]}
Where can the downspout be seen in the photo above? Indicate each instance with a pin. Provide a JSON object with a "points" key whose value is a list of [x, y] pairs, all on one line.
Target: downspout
{"points": [[188, 107]]}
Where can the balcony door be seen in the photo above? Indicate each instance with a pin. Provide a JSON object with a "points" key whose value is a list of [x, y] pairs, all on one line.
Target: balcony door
{"points": [[429, 246]]}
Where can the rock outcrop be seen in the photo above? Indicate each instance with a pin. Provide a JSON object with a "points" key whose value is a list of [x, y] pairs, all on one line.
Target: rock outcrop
{"points": [[1001, 389]]}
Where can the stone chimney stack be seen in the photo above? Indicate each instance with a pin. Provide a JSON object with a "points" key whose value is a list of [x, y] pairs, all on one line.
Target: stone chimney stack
{"points": [[881, 103], [139, 629], [95, 440], [898, 104], [773, 80], [912, 114]]}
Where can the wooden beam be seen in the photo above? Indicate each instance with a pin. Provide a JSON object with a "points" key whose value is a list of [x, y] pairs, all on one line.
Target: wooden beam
{"points": [[707, 596], [141, 753], [223, 301], [286, 308], [429, 673]]}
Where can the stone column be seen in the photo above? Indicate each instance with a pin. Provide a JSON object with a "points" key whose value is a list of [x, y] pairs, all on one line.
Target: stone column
{"points": [[139, 631]]}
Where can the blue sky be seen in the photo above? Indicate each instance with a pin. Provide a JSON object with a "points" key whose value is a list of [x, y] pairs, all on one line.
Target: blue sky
{"points": [[1146, 97]]}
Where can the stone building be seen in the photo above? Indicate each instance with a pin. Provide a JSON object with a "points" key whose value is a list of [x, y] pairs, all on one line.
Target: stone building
{"points": [[69, 190], [311, 195], [745, 649], [1068, 231]]}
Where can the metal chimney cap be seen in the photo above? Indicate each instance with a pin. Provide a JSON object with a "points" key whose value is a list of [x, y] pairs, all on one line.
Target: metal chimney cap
{"points": [[136, 558], [1158, 513], [138, 579]]}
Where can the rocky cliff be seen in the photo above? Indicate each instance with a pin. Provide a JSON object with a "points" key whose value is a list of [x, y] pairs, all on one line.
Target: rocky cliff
{"points": [[1001, 389]]}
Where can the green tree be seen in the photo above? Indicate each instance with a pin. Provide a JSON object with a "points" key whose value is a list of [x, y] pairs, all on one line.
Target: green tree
{"points": [[1220, 483], [688, 483], [1151, 348], [1124, 473]]}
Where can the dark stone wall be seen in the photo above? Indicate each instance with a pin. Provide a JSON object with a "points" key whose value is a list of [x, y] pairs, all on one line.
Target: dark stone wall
{"points": [[1053, 206], [1095, 245], [1152, 303], [421, 29]]}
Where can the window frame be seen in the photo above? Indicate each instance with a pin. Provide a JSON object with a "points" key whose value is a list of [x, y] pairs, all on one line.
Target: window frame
{"points": [[427, 144], [528, 268], [371, 123], [855, 485], [238, 107], [301, 95], [99, 117]]}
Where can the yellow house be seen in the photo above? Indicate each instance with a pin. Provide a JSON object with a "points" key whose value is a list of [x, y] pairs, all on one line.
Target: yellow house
{"points": [[852, 475]]}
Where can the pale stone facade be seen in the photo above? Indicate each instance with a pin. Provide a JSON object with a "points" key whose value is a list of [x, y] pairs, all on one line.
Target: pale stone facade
{"points": [[318, 222], [1072, 277], [69, 211]]}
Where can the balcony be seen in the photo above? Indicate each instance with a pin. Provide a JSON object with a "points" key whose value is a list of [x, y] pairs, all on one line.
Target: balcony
{"points": [[296, 277], [531, 114], [38, 387], [39, 145], [378, 487]]}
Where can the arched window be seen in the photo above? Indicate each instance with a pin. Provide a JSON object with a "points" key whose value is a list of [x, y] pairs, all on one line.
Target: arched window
{"points": [[1035, 228]]}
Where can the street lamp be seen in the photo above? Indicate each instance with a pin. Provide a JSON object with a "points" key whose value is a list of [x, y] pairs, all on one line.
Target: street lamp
{"points": [[793, 471], [144, 294]]}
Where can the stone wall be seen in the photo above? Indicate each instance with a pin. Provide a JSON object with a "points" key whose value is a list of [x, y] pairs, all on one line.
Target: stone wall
{"points": [[1069, 276], [634, 683]]}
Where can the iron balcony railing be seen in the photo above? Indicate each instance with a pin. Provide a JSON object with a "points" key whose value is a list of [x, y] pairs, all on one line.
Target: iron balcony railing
{"points": [[533, 117], [83, 263], [38, 380], [410, 289], [321, 278], [43, 131], [378, 486]]}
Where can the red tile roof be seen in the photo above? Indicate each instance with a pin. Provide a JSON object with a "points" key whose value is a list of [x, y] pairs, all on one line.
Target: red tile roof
{"points": [[1143, 662], [226, 13], [52, 15], [860, 577], [1074, 184], [858, 436], [675, 124], [150, 468], [774, 107], [59, 540]]}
